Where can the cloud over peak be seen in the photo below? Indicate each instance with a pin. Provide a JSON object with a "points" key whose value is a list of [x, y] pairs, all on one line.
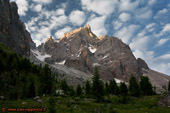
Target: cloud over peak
{"points": [[77, 17]]}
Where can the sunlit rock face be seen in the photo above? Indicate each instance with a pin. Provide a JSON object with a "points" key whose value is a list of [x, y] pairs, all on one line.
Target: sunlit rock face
{"points": [[83, 50], [12, 31]]}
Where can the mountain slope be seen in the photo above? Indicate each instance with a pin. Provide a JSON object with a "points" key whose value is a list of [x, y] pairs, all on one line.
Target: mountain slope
{"points": [[83, 50], [12, 31]]}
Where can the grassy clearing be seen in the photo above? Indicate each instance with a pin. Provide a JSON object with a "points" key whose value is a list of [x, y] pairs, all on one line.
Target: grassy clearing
{"points": [[77, 105]]}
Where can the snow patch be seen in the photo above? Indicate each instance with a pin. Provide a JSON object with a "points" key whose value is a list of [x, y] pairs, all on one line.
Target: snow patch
{"points": [[39, 55], [92, 49], [117, 80], [105, 57], [96, 64], [61, 63], [79, 54]]}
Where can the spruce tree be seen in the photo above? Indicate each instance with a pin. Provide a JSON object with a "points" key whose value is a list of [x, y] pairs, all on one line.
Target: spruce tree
{"points": [[97, 87], [134, 87], [46, 80], [107, 89], [64, 86], [71, 91], [123, 89], [146, 86], [114, 89], [87, 88], [52, 105], [169, 86], [31, 89], [78, 90]]}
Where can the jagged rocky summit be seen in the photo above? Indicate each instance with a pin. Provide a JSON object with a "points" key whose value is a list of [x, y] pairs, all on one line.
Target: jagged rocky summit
{"points": [[12, 31], [84, 51]]}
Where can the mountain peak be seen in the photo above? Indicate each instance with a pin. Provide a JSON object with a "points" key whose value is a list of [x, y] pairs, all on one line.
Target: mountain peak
{"points": [[86, 30], [101, 37], [49, 39]]}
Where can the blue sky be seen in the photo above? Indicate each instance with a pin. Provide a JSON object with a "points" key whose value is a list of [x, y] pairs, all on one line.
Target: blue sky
{"points": [[142, 24]]}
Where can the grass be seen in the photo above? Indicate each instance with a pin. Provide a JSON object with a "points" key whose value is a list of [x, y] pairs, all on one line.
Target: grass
{"points": [[76, 105]]}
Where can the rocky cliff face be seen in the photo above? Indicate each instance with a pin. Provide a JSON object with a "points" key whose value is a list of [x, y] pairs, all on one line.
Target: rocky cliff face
{"points": [[83, 50], [12, 31]]}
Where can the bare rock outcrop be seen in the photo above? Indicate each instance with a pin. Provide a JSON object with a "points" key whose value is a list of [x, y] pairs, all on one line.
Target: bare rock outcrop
{"points": [[83, 50], [12, 31]]}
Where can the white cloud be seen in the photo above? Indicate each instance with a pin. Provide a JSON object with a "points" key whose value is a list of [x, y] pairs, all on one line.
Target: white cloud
{"points": [[140, 43], [145, 14], [36, 8], [102, 7], [162, 42], [150, 26], [126, 33], [165, 57], [60, 11], [60, 33], [141, 34], [163, 11], [117, 25], [160, 13], [43, 1], [166, 28], [124, 17], [98, 25], [151, 2], [77, 17], [22, 7], [127, 5]]}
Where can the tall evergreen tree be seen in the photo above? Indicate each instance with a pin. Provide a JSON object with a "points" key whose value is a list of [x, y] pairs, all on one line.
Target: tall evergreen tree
{"points": [[87, 88], [123, 89], [107, 89], [78, 90], [31, 89], [114, 89], [64, 86], [134, 87], [169, 86], [52, 105], [146, 86], [97, 87], [46, 80]]}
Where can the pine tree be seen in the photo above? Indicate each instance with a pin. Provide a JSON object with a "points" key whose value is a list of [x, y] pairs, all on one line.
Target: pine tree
{"points": [[169, 86], [134, 87], [114, 89], [97, 87], [46, 80], [87, 88], [123, 89], [71, 91], [31, 89], [64, 86], [52, 105], [78, 90], [107, 89], [146, 86]]}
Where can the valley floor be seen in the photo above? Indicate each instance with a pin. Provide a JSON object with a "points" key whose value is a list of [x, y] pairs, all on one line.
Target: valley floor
{"points": [[82, 105]]}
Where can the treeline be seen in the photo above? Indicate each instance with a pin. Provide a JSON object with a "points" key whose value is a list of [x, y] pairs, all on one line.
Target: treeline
{"points": [[20, 79], [98, 89]]}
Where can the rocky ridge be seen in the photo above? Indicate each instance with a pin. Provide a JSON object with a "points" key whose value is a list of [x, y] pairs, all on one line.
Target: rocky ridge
{"points": [[12, 31], [83, 50]]}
